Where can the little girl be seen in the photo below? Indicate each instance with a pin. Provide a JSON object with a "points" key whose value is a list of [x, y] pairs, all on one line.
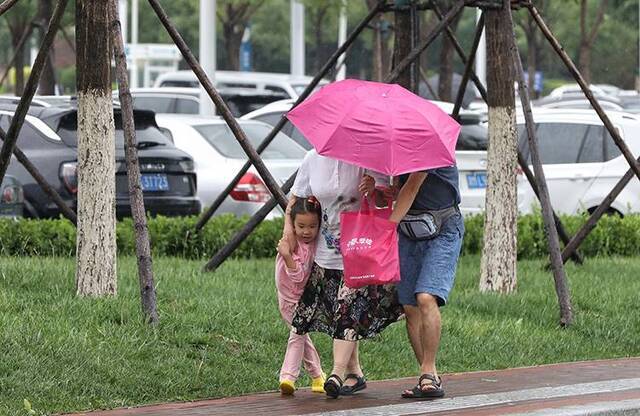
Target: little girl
{"points": [[292, 272]]}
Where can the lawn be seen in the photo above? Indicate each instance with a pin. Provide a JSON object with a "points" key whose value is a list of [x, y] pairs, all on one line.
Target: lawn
{"points": [[220, 334]]}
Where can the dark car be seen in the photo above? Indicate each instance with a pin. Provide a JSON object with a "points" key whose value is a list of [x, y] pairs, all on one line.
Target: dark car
{"points": [[49, 139], [11, 198]]}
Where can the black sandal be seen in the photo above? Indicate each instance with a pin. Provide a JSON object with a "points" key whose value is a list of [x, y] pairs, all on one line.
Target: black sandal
{"points": [[431, 389], [333, 385], [361, 384]]}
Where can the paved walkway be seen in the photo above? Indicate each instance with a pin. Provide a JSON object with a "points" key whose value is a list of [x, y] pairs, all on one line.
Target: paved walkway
{"points": [[606, 387]]}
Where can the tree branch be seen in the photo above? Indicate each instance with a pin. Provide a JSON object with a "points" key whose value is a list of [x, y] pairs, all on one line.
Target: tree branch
{"points": [[597, 22]]}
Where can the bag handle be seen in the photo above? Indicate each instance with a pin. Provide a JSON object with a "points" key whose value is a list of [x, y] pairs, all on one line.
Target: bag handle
{"points": [[366, 202]]}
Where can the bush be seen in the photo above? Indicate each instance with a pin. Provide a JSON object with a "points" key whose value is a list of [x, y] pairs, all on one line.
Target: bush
{"points": [[174, 237]]}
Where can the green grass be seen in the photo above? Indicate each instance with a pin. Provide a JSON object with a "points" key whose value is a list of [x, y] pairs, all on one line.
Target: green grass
{"points": [[220, 334]]}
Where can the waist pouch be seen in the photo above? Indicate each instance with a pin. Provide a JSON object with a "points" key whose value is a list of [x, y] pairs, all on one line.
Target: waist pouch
{"points": [[425, 225]]}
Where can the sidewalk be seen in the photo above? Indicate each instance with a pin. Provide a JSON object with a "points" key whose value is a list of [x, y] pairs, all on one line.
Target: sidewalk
{"points": [[606, 387]]}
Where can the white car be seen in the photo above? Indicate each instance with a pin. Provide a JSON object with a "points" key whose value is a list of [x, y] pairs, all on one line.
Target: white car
{"points": [[581, 162], [218, 157], [289, 85]]}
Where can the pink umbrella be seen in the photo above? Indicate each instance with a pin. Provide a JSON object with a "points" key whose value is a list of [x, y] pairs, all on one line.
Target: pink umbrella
{"points": [[382, 127]]}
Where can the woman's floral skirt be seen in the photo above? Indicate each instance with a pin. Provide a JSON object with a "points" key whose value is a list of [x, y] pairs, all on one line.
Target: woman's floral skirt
{"points": [[328, 306]]}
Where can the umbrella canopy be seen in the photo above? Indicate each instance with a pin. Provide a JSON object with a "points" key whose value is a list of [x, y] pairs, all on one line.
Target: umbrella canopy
{"points": [[382, 127]]}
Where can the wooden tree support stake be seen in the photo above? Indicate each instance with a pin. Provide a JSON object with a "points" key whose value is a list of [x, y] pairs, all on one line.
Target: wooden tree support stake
{"points": [[6, 5], [206, 216], [30, 89], [562, 290], [143, 246], [468, 70]]}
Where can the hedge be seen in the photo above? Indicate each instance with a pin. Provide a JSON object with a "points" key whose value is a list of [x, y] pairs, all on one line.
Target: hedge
{"points": [[174, 237]]}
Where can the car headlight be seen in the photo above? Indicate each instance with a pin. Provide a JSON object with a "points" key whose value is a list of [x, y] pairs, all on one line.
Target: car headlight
{"points": [[187, 165]]}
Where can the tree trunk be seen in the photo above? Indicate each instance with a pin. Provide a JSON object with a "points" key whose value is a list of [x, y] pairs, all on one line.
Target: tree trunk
{"points": [[318, 59], [47, 84], [499, 254], [232, 40], [18, 62], [402, 45], [96, 239], [584, 62]]}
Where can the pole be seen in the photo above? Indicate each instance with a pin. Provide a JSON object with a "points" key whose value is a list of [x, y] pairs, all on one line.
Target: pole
{"points": [[297, 38], [207, 52], [135, 16], [481, 57], [468, 68], [341, 66]]}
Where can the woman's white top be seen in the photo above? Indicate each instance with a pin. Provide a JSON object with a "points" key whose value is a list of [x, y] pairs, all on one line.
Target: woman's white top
{"points": [[335, 185]]}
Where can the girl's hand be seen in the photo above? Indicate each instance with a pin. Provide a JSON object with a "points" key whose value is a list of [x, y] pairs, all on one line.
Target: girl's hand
{"points": [[283, 247], [367, 185]]}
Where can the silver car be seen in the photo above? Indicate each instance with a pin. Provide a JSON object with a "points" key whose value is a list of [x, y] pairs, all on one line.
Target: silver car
{"points": [[218, 158]]}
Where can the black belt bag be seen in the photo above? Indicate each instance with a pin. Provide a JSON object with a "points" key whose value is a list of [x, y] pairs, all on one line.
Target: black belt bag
{"points": [[425, 225]]}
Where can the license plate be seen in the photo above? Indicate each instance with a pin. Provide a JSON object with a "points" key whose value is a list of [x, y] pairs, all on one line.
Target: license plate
{"points": [[477, 180], [154, 183]]}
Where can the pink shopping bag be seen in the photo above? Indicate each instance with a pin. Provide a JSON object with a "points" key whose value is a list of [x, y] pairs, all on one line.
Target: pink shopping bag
{"points": [[369, 245]]}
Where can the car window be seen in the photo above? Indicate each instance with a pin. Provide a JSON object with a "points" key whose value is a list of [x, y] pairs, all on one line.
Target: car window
{"points": [[557, 142], [222, 139], [472, 137], [185, 84], [611, 149], [155, 104], [592, 148], [277, 89], [187, 106], [271, 118], [28, 134], [288, 129]]}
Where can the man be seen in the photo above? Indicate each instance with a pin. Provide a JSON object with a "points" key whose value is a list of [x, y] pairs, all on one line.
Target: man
{"points": [[430, 239]]}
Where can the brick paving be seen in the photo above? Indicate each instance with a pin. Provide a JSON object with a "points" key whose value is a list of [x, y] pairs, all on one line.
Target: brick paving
{"points": [[512, 391]]}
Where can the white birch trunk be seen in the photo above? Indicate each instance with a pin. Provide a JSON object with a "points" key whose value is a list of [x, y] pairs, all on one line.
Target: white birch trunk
{"points": [[499, 253], [96, 238]]}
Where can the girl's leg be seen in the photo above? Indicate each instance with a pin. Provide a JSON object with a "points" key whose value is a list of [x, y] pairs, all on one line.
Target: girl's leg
{"points": [[311, 359], [292, 358]]}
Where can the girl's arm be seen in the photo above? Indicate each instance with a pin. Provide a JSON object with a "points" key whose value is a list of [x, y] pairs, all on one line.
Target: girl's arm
{"points": [[293, 267], [288, 232], [407, 195]]}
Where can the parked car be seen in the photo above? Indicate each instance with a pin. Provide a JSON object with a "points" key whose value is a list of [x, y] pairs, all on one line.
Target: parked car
{"points": [[581, 162], [290, 86], [582, 104], [49, 139], [218, 158], [177, 100], [11, 198]]}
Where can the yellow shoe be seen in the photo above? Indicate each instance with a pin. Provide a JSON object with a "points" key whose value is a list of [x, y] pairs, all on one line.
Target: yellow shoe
{"points": [[287, 387], [317, 384]]}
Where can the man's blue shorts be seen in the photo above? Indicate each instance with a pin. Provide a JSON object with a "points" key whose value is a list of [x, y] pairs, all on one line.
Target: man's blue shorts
{"points": [[430, 266]]}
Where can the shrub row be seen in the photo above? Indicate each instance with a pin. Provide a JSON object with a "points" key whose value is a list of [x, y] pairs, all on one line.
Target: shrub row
{"points": [[174, 237]]}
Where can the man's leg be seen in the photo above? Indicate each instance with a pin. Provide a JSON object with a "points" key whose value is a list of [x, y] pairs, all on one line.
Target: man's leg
{"points": [[429, 331], [414, 330]]}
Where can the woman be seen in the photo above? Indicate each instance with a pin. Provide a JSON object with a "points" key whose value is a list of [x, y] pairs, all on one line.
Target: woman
{"points": [[327, 305]]}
